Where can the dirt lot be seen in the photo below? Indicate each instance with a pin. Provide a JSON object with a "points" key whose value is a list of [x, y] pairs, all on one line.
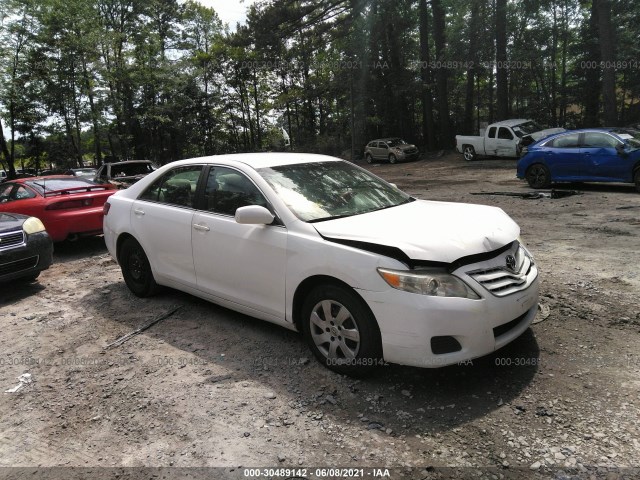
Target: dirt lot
{"points": [[208, 387]]}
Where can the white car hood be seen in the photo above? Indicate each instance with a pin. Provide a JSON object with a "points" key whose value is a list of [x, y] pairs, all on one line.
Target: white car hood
{"points": [[427, 230]]}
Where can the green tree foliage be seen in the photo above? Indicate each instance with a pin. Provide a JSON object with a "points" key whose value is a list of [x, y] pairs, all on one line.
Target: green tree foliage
{"points": [[85, 80]]}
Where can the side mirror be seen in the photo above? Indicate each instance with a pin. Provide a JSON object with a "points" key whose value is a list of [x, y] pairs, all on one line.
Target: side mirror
{"points": [[254, 215], [620, 149]]}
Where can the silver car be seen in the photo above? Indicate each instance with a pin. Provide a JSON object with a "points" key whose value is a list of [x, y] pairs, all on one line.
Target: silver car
{"points": [[391, 150]]}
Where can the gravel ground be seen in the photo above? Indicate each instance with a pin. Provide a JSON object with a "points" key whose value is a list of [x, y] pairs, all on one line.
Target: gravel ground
{"points": [[207, 387]]}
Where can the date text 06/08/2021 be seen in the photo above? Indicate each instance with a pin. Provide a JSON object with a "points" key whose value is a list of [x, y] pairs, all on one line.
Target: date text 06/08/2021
{"points": [[316, 473]]}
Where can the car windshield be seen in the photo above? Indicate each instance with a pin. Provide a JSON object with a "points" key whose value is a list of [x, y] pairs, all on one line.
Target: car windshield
{"points": [[130, 169], [394, 142], [328, 190], [527, 128], [47, 185]]}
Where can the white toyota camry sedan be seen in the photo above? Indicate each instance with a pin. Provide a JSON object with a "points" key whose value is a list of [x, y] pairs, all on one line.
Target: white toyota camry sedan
{"points": [[367, 273]]}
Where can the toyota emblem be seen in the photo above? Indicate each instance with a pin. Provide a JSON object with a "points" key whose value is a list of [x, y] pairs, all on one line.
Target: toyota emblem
{"points": [[511, 262]]}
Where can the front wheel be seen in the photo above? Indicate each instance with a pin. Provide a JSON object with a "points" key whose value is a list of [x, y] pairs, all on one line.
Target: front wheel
{"points": [[393, 158], [469, 153], [368, 158], [636, 179], [538, 176], [341, 331], [136, 269]]}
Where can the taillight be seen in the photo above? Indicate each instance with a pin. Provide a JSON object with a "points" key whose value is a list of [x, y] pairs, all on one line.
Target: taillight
{"points": [[105, 208], [66, 204]]}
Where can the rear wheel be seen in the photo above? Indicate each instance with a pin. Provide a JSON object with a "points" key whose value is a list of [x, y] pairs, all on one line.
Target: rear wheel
{"points": [[392, 158], [341, 331], [636, 179], [538, 176], [136, 269], [469, 153]]}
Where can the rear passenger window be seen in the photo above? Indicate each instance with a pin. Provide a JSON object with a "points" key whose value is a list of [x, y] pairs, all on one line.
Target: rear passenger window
{"points": [[492, 132], [176, 187], [227, 190], [599, 140]]}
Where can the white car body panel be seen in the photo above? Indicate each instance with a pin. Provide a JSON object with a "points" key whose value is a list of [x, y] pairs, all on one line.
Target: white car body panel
{"points": [[256, 269], [259, 280]]}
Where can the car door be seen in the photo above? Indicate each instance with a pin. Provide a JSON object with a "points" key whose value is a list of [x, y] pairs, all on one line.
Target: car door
{"points": [[161, 220], [377, 150], [563, 157], [490, 143], [245, 264], [505, 143], [601, 159]]}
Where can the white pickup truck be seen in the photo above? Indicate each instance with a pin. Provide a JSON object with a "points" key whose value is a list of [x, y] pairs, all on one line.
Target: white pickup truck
{"points": [[502, 139]]}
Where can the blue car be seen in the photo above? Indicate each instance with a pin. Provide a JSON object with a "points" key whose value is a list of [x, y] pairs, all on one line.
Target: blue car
{"points": [[590, 155]]}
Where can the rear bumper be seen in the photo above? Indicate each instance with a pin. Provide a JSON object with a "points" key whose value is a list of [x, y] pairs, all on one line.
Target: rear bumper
{"points": [[82, 222], [27, 260]]}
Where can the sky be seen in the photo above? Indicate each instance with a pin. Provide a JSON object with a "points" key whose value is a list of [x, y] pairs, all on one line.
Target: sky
{"points": [[229, 11]]}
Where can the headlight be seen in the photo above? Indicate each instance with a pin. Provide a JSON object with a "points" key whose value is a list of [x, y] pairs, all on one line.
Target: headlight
{"points": [[32, 225], [526, 250], [427, 282]]}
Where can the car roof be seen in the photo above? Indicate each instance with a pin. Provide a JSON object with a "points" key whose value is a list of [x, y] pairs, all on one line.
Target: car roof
{"points": [[42, 177], [510, 123], [613, 130], [260, 160], [385, 139], [126, 161]]}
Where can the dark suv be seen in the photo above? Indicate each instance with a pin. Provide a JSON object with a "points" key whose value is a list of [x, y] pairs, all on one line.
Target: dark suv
{"points": [[391, 150]]}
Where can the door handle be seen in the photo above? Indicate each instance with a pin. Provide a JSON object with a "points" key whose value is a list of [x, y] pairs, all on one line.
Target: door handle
{"points": [[138, 211], [201, 228]]}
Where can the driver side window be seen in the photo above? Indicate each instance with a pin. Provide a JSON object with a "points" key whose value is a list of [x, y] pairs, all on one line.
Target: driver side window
{"points": [[227, 190], [505, 134]]}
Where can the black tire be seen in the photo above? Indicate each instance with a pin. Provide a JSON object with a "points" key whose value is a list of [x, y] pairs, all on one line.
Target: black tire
{"points": [[538, 176], [136, 269], [392, 158], [355, 354], [636, 179], [469, 153], [368, 158]]}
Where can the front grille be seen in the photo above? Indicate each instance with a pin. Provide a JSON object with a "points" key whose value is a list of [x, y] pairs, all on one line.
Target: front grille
{"points": [[18, 265], [11, 239], [500, 280], [507, 327]]}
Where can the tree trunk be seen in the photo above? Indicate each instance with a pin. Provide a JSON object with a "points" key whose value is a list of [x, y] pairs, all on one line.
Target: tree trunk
{"points": [[472, 70], [502, 73], [592, 75], [607, 53], [428, 123], [439, 37]]}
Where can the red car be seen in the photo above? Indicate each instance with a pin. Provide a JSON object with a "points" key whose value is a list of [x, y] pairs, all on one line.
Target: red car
{"points": [[68, 206]]}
